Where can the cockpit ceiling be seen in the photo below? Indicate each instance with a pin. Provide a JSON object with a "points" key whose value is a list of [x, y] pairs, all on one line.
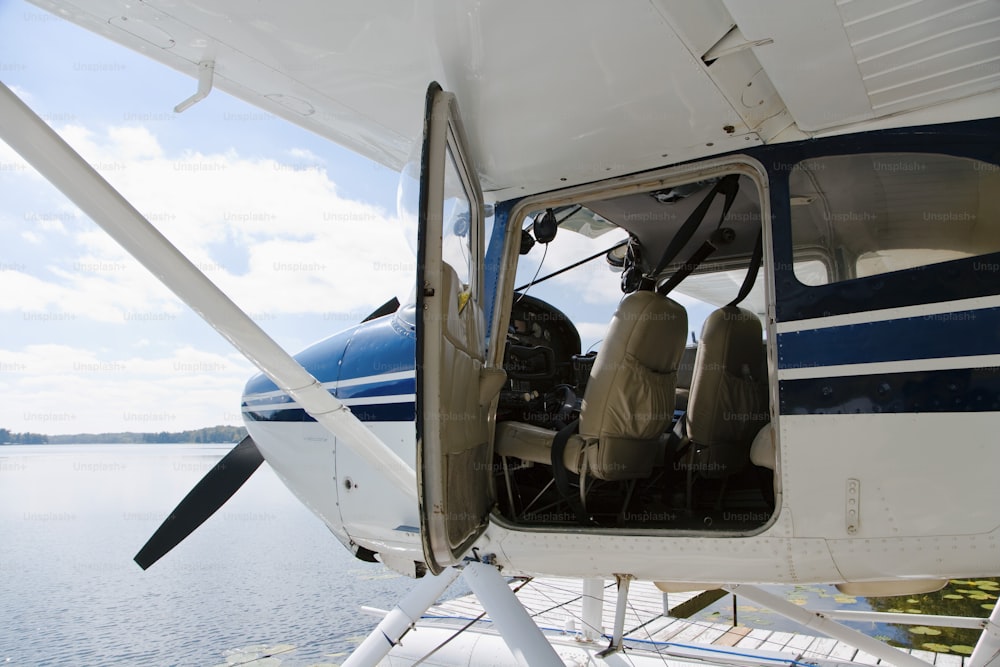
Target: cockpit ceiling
{"points": [[655, 218], [572, 91]]}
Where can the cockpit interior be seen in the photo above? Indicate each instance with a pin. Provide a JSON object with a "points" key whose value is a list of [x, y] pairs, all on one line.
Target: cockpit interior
{"points": [[662, 427]]}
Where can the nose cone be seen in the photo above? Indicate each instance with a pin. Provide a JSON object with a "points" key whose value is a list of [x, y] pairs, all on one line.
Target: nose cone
{"points": [[368, 351], [264, 401], [370, 368]]}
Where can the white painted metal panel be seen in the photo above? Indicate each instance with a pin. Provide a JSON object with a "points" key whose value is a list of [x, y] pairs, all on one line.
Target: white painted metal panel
{"points": [[901, 496], [810, 63], [915, 54]]}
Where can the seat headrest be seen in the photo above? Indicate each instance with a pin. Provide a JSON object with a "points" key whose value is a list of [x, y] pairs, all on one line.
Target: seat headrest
{"points": [[647, 315], [735, 337]]}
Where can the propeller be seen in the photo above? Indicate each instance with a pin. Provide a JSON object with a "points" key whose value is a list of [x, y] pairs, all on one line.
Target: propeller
{"points": [[216, 487], [208, 495], [387, 308]]}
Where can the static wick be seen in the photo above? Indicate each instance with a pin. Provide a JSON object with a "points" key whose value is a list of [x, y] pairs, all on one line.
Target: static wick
{"points": [[206, 73]]}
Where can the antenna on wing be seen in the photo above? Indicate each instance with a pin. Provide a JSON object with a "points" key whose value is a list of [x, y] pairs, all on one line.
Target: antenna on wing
{"points": [[206, 75]]}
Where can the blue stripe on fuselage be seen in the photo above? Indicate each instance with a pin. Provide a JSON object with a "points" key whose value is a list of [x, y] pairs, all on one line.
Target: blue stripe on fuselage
{"points": [[376, 348], [959, 334], [952, 390], [390, 388], [385, 412]]}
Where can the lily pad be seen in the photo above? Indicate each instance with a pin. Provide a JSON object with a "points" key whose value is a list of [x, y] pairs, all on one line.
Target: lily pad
{"points": [[937, 648], [963, 649], [913, 601], [924, 630], [989, 606], [913, 611], [953, 596], [845, 599]]}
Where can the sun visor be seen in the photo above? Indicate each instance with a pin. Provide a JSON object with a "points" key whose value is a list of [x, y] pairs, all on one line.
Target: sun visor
{"points": [[587, 223]]}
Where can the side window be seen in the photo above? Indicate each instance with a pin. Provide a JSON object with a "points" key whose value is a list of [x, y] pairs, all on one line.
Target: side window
{"points": [[457, 244], [863, 215]]}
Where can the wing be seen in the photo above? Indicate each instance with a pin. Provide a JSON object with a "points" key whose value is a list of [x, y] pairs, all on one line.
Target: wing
{"points": [[570, 91]]}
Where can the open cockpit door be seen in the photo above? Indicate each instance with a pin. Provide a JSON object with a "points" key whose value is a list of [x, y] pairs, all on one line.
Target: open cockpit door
{"points": [[453, 456]]}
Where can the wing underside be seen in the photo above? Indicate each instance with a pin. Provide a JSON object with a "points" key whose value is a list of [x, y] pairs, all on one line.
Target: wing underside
{"points": [[603, 89]]}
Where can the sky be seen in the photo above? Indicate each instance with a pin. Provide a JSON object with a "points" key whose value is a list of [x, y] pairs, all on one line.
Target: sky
{"points": [[301, 233]]}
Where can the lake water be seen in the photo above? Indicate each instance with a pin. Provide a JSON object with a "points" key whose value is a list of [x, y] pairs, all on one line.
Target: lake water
{"points": [[262, 571], [960, 597]]}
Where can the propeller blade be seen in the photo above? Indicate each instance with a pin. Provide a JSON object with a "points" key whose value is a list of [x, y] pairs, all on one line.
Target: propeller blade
{"points": [[387, 308], [208, 495]]}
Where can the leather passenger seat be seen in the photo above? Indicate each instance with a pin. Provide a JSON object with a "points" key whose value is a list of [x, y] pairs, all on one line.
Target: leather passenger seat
{"points": [[728, 402], [629, 400]]}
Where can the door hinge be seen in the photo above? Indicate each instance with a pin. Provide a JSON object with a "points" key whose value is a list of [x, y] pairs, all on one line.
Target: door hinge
{"points": [[853, 509]]}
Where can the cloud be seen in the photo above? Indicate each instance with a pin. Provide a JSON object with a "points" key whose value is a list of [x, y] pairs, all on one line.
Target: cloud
{"points": [[90, 288], [70, 389], [593, 283], [591, 334], [276, 238]]}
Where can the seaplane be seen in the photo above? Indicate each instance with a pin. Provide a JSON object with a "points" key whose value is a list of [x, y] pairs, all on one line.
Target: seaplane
{"points": [[825, 173]]}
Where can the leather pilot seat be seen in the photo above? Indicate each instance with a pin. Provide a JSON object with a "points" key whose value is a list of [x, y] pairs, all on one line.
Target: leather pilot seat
{"points": [[728, 403], [629, 400]]}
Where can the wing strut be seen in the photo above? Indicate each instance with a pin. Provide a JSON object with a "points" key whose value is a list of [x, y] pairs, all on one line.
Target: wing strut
{"points": [[45, 150], [818, 621]]}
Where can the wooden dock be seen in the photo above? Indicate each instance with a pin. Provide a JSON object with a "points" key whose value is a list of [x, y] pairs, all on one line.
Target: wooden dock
{"points": [[556, 606]]}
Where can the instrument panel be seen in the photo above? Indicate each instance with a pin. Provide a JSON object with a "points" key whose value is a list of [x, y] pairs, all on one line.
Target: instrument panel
{"points": [[545, 370]]}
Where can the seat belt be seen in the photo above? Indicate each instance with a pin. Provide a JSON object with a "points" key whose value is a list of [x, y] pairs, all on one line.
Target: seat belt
{"points": [[561, 474], [729, 186], [751, 277], [721, 236]]}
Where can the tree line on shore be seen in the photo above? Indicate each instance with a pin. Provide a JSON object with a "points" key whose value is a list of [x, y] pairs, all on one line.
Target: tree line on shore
{"points": [[210, 434]]}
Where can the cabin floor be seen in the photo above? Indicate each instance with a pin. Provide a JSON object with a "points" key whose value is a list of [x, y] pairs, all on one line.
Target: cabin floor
{"points": [[660, 502]]}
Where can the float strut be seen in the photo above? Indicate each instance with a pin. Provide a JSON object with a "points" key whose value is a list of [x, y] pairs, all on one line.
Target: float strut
{"points": [[619, 631], [395, 624], [987, 651], [592, 613], [524, 639]]}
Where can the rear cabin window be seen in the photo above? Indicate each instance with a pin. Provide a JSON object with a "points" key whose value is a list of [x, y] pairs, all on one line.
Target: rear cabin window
{"points": [[862, 215]]}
